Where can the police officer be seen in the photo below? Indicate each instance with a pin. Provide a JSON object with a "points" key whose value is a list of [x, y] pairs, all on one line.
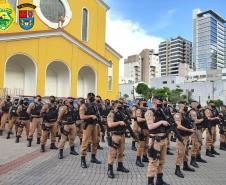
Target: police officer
{"points": [[196, 138], [67, 119], [5, 106], [50, 114], [87, 113], [157, 142], [135, 126], [212, 116], [24, 119], [143, 135], [34, 110], [117, 144], [223, 131], [13, 117], [185, 129]]}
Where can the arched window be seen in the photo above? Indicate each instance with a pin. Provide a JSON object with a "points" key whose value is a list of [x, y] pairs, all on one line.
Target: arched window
{"points": [[85, 15]]}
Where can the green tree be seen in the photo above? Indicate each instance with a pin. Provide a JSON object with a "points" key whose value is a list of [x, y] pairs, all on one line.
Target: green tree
{"points": [[143, 90], [218, 102], [125, 96], [162, 92]]}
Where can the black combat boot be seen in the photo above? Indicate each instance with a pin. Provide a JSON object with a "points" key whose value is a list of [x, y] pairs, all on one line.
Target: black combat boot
{"points": [[94, 159], [151, 181], [1, 132], [138, 162], [209, 153], [17, 139], [199, 159], [145, 159], [60, 155], [187, 168], [169, 152], [214, 151], [38, 141], [29, 142], [73, 152], [53, 146], [110, 172], [42, 148], [178, 172], [8, 135], [83, 162], [89, 148], [160, 181], [193, 162], [222, 146], [99, 147], [133, 147], [121, 168]]}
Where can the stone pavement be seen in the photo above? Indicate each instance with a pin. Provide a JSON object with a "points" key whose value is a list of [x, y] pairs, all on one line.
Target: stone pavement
{"points": [[27, 166]]}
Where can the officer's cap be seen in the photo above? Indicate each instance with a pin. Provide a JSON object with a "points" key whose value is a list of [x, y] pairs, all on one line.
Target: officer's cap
{"points": [[142, 99], [182, 102], [194, 101]]}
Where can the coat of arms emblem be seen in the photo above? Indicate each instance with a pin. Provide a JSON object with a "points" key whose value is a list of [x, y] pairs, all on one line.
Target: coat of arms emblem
{"points": [[7, 15], [26, 19]]}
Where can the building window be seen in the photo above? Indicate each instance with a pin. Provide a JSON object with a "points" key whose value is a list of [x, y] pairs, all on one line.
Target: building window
{"points": [[172, 81], [164, 82], [52, 10], [85, 15], [110, 77]]}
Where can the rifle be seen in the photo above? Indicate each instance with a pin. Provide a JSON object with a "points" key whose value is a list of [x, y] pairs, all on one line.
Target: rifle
{"points": [[99, 119], [172, 124], [127, 120]]}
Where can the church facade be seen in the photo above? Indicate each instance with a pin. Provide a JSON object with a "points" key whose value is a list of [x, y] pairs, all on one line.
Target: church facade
{"points": [[56, 47]]}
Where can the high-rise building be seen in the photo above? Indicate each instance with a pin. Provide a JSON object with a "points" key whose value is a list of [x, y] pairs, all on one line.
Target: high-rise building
{"points": [[172, 53], [208, 40], [142, 67]]}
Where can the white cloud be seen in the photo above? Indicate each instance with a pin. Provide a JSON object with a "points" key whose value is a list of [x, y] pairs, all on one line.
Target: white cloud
{"points": [[128, 37]]}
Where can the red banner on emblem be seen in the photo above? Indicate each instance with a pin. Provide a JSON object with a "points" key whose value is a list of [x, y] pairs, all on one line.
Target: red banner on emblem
{"points": [[23, 14]]}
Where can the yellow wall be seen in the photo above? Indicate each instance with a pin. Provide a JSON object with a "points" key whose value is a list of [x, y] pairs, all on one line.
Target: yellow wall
{"points": [[45, 50]]}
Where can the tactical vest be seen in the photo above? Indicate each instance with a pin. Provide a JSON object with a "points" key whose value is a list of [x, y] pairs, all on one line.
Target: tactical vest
{"points": [[51, 115], [158, 117], [118, 128], [70, 117], [37, 109], [199, 116], [7, 106], [13, 112], [143, 124], [23, 113], [185, 122], [90, 110]]}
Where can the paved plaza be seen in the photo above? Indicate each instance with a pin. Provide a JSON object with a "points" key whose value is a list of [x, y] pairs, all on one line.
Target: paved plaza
{"points": [[27, 166]]}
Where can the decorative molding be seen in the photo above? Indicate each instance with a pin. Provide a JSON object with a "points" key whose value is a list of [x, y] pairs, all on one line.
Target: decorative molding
{"points": [[68, 14], [110, 49], [52, 33], [103, 4]]}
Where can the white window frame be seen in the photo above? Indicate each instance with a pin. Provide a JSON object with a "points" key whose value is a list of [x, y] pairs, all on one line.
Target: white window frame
{"points": [[87, 25], [110, 68], [68, 14]]}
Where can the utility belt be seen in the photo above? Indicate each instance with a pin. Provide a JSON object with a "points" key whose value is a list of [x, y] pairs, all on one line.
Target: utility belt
{"points": [[51, 120], [158, 137], [24, 119], [118, 133], [35, 116], [67, 123]]}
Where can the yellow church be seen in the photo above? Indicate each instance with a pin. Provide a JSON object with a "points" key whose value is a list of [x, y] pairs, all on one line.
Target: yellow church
{"points": [[56, 47]]}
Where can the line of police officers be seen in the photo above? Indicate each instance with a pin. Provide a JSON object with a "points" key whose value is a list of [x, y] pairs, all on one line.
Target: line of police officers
{"points": [[92, 118]]}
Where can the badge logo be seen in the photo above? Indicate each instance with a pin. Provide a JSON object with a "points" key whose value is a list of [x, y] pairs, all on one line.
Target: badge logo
{"points": [[26, 17], [7, 15]]}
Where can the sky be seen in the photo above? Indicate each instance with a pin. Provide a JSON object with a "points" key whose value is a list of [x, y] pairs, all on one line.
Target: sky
{"points": [[133, 25]]}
